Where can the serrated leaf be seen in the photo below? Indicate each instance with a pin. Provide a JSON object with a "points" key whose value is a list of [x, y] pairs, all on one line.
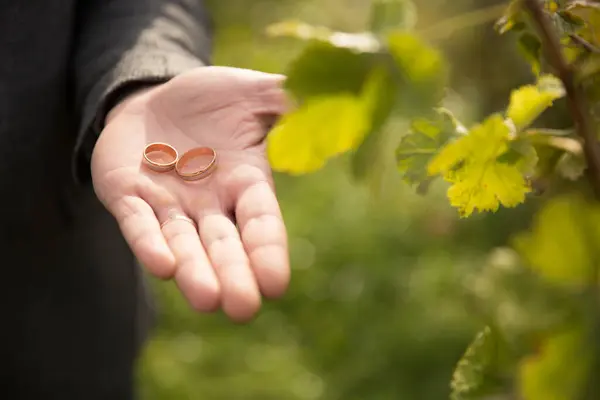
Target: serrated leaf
{"points": [[425, 139], [422, 71], [323, 69], [476, 375], [305, 139], [528, 102], [564, 243], [387, 15], [480, 182], [560, 369]]}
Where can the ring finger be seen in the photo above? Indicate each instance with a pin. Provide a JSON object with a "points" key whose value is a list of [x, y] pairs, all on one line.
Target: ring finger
{"points": [[240, 293], [194, 275]]}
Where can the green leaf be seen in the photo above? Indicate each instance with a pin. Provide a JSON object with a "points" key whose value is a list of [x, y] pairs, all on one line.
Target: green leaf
{"points": [[531, 48], [370, 158], [387, 15], [425, 139], [572, 21], [422, 72], [305, 139], [522, 154], [563, 246], [589, 13], [476, 374], [566, 23], [512, 18], [528, 102], [323, 69], [480, 182], [560, 369]]}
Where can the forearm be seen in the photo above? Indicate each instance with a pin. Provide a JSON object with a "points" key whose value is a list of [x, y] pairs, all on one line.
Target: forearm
{"points": [[125, 45]]}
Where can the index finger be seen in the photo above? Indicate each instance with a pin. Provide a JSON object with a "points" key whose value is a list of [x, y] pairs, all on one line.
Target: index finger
{"points": [[141, 230]]}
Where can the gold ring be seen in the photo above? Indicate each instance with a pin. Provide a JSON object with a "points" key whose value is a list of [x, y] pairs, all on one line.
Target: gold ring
{"points": [[173, 216], [200, 173], [160, 165]]}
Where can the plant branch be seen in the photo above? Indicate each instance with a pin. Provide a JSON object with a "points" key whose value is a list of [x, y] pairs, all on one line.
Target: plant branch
{"points": [[584, 43], [576, 100]]}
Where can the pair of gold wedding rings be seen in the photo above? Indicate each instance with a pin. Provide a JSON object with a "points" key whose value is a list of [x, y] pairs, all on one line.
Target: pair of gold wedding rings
{"points": [[168, 159]]}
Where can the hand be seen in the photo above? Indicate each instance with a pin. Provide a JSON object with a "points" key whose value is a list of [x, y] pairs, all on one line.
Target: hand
{"points": [[230, 110]]}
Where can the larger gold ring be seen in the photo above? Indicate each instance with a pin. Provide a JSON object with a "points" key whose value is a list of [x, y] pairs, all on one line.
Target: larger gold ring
{"points": [[160, 165], [199, 173]]}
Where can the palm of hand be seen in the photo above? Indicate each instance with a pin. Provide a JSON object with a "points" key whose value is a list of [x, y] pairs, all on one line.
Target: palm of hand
{"points": [[217, 265]]}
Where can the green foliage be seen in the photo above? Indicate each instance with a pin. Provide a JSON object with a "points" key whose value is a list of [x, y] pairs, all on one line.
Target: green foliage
{"points": [[561, 368], [382, 94], [575, 224], [473, 164], [328, 136], [393, 64], [537, 301], [528, 102], [423, 142], [422, 73], [477, 374]]}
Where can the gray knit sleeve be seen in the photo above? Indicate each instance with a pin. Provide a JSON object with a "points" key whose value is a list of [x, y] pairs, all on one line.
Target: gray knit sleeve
{"points": [[121, 45]]}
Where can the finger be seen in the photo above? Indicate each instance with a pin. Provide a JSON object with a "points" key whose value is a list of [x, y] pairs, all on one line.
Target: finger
{"points": [[141, 230], [240, 294], [193, 273], [271, 98], [263, 233], [194, 276]]}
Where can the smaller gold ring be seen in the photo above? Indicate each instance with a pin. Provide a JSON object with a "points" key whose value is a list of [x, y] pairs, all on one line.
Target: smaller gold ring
{"points": [[198, 173], [160, 148], [176, 216]]}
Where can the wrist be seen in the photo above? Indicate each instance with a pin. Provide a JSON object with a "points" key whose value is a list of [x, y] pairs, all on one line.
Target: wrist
{"points": [[127, 98]]}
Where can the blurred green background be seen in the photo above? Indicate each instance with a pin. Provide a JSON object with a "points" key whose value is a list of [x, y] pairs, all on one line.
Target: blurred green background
{"points": [[377, 307]]}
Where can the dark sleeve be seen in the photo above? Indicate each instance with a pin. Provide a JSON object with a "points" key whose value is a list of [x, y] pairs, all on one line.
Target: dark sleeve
{"points": [[124, 45]]}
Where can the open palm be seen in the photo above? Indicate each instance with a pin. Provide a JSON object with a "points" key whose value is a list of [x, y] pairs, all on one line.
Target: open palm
{"points": [[238, 250]]}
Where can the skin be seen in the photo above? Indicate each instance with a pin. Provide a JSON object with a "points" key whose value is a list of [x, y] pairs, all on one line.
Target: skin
{"points": [[240, 253]]}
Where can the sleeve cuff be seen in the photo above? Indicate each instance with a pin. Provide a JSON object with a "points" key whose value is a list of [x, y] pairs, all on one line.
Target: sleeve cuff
{"points": [[132, 74]]}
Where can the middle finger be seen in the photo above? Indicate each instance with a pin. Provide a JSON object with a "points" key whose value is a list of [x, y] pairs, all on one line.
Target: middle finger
{"points": [[194, 275]]}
